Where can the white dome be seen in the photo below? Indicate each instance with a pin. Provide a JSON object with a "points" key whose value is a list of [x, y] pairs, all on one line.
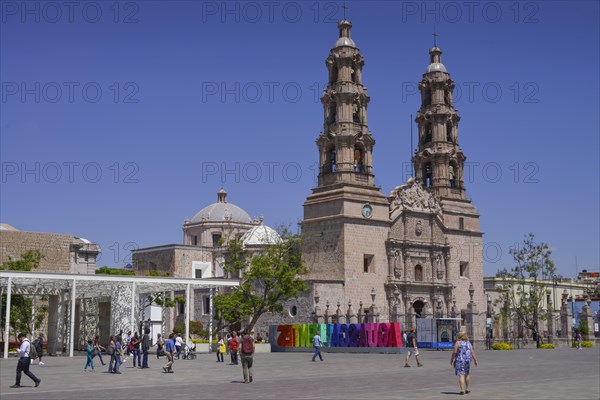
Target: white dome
{"points": [[260, 235], [222, 211], [436, 67], [344, 41]]}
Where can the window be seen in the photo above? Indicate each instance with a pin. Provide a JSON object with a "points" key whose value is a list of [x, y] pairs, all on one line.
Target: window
{"points": [[195, 240], [216, 239], [293, 311], [449, 132], [427, 175], [418, 273], [181, 307], [427, 133], [461, 223], [426, 96], [464, 269], [206, 301], [452, 171], [355, 113], [368, 263], [198, 274], [358, 164]]}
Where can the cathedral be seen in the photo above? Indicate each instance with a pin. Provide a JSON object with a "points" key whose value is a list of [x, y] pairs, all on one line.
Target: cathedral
{"points": [[416, 253]]}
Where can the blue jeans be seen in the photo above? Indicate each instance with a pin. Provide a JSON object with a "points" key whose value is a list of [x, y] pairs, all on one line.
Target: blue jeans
{"points": [[136, 356], [115, 361], [145, 359], [317, 353]]}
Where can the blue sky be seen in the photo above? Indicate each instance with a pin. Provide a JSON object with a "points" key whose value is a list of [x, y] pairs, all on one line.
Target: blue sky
{"points": [[118, 120]]}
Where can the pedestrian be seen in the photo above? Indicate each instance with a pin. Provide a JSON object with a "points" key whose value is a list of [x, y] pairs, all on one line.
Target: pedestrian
{"points": [[134, 344], [317, 343], [145, 347], [97, 349], [221, 348], [169, 352], [38, 343], [24, 361], [578, 338], [159, 346], [111, 351], [247, 355], [90, 361], [233, 348], [228, 343], [118, 355], [460, 359], [178, 344], [411, 343]]}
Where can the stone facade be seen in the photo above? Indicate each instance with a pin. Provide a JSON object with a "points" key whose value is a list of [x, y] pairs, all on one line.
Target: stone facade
{"points": [[61, 253], [416, 253]]}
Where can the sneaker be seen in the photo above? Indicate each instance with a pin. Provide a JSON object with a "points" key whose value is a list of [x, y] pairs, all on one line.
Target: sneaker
{"points": [[165, 369], [41, 364], [251, 379], [406, 366], [15, 386], [38, 383]]}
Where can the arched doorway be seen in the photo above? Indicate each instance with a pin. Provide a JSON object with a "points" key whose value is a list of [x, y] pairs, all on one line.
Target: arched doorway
{"points": [[418, 307]]}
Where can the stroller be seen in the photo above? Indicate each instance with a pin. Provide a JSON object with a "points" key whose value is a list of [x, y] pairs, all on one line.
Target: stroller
{"points": [[189, 351]]}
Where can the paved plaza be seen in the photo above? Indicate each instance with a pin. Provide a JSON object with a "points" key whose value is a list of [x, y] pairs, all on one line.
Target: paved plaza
{"points": [[520, 374]]}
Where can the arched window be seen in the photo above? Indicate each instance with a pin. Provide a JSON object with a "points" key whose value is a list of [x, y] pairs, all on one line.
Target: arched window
{"points": [[353, 75], [449, 132], [356, 113], [447, 100], [330, 161], [427, 96], [418, 307], [418, 273], [333, 76], [427, 133], [453, 175], [332, 113], [427, 175], [358, 159]]}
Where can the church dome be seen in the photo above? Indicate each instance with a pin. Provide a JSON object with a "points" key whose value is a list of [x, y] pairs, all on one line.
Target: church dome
{"points": [[344, 41], [260, 235], [222, 211], [436, 67]]}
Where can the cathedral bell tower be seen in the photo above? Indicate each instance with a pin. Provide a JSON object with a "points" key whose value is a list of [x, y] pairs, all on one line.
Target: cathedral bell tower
{"points": [[439, 161], [346, 218]]}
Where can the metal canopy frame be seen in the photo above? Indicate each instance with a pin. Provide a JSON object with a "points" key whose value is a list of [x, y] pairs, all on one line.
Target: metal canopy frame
{"points": [[90, 286]]}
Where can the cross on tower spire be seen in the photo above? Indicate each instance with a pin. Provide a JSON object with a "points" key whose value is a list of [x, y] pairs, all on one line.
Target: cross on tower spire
{"points": [[344, 7], [435, 35]]}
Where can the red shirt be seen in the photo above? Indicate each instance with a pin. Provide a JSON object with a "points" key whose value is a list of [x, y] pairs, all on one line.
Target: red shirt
{"points": [[234, 343]]}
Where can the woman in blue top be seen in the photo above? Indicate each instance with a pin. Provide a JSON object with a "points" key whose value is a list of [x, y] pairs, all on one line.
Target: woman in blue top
{"points": [[461, 358]]}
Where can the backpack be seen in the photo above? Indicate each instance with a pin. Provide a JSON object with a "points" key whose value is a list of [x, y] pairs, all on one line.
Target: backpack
{"points": [[33, 351], [247, 345]]}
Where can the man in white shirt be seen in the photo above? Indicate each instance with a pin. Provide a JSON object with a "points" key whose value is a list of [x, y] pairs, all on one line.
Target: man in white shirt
{"points": [[178, 344], [24, 361]]}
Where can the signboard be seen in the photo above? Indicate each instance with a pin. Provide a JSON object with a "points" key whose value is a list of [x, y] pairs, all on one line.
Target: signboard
{"points": [[437, 333]]}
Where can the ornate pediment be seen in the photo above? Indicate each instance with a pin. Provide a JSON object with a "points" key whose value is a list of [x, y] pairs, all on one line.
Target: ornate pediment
{"points": [[414, 197]]}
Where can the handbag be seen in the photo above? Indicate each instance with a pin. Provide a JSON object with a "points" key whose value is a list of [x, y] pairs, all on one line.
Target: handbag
{"points": [[222, 348]]}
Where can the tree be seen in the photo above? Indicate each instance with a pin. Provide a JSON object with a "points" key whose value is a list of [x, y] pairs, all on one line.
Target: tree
{"points": [[527, 283], [21, 318], [267, 280]]}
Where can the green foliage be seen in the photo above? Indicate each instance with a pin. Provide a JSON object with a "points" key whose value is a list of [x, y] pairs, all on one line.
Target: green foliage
{"points": [[196, 328], [525, 290], [502, 346], [584, 343], [547, 346], [113, 271], [583, 327], [269, 278], [29, 260], [157, 273]]}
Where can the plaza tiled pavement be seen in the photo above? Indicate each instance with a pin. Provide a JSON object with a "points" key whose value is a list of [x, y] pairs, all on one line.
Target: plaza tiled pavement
{"points": [[520, 374]]}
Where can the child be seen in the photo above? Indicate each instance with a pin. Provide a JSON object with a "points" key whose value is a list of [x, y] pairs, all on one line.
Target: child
{"points": [[89, 356], [221, 349]]}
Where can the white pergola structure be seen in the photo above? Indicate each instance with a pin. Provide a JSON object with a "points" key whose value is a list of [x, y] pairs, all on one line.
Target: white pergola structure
{"points": [[90, 286]]}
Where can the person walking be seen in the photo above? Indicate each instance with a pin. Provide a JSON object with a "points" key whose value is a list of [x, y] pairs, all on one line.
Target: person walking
{"points": [[221, 348], [169, 352], [38, 343], [247, 356], [24, 362], [118, 355], [317, 343], [578, 338], [111, 349], [460, 359], [135, 346], [97, 349], [159, 346], [90, 361], [411, 343], [178, 344], [233, 348], [145, 347], [128, 350]]}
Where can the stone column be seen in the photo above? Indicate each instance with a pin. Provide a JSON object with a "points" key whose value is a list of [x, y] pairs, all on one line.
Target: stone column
{"points": [[566, 317], [351, 315], [587, 315]]}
